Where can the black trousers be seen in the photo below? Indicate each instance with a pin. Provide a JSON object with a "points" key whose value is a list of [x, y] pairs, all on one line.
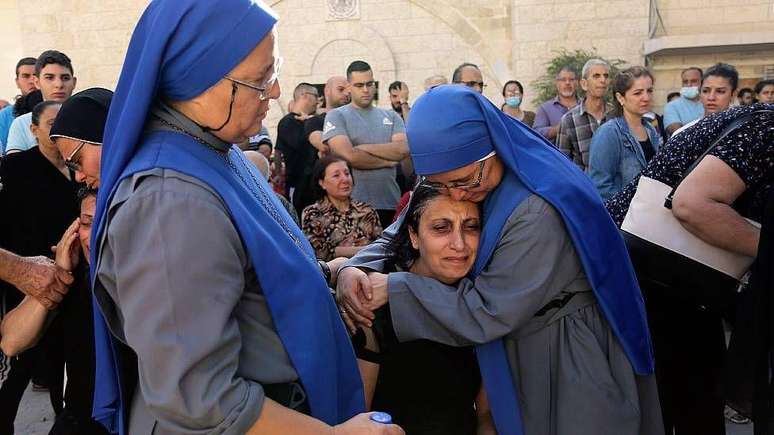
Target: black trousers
{"points": [[689, 346], [21, 372]]}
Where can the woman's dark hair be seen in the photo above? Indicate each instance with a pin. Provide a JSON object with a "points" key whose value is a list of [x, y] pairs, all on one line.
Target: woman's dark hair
{"points": [[724, 70], [745, 91], [25, 104], [40, 108], [86, 192], [624, 81], [318, 173], [515, 82], [404, 253], [762, 84]]}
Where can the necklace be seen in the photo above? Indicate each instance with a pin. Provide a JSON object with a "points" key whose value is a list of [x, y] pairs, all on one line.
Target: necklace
{"points": [[254, 188]]}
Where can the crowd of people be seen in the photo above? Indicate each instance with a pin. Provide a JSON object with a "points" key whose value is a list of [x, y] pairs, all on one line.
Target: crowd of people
{"points": [[455, 265]]}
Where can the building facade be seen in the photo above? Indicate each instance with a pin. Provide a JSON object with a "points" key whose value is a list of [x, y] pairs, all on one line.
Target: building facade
{"points": [[410, 40]]}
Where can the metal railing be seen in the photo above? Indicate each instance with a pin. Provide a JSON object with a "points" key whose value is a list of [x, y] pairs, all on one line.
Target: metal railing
{"points": [[655, 20]]}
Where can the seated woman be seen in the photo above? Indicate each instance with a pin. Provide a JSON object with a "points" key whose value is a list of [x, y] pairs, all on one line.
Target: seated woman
{"points": [[336, 224], [428, 387], [23, 326]]}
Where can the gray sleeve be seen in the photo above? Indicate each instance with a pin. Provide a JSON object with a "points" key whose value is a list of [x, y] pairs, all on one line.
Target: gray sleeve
{"points": [[334, 125], [398, 126], [532, 263], [374, 256], [179, 276]]}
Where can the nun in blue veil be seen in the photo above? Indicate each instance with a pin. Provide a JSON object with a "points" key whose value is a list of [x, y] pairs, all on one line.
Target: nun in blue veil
{"points": [[198, 272], [551, 303]]}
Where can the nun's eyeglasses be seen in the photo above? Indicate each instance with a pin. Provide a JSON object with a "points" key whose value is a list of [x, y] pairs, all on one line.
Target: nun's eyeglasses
{"points": [[457, 185], [464, 185], [70, 160], [264, 89]]}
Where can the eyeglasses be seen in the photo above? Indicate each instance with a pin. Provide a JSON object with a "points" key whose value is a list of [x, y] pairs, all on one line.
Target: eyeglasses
{"points": [[473, 84], [458, 185], [264, 89], [369, 84], [70, 160]]}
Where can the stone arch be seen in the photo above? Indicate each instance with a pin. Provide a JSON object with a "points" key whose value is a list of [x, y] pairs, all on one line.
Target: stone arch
{"points": [[461, 25], [378, 50], [469, 33]]}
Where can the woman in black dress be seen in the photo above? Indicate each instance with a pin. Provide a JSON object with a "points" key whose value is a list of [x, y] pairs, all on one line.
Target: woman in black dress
{"points": [[428, 388], [732, 182]]}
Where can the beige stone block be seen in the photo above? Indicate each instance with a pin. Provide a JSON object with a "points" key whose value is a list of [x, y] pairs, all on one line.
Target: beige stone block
{"points": [[541, 13], [538, 32], [575, 11], [621, 9], [758, 13]]}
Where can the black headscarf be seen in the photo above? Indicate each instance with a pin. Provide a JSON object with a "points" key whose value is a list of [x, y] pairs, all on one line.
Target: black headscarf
{"points": [[25, 104], [83, 116]]}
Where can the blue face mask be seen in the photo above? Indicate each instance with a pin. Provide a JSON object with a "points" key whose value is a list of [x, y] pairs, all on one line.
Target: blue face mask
{"points": [[513, 101], [690, 92]]}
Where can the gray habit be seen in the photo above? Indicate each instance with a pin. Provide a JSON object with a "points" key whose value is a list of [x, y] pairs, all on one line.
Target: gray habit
{"points": [[176, 284], [572, 376]]}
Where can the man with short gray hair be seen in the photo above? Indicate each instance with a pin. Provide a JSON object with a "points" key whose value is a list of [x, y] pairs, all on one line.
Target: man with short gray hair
{"points": [[435, 80], [578, 125], [548, 115]]}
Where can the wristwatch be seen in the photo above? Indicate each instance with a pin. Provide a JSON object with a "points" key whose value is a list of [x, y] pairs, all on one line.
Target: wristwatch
{"points": [[326, 271]]}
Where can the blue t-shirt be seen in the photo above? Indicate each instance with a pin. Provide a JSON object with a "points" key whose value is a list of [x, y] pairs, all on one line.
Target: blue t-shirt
{"points": [[20, 136], [6, 119], [682, 111]]}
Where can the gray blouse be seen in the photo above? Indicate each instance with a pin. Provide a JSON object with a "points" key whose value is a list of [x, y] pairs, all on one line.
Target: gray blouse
{"points": [[178, 287], [534, 260]]}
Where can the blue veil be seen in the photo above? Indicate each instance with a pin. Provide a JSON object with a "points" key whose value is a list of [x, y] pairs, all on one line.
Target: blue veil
{"points": [[453, 126], [179, 49]]}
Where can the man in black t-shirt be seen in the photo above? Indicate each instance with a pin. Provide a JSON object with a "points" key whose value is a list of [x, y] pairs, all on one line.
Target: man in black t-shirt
{"points": [[291, 142], [336, 95]]}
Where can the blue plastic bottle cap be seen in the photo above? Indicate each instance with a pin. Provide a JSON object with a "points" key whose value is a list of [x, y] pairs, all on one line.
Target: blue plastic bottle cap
{"points": [[381, 417]]}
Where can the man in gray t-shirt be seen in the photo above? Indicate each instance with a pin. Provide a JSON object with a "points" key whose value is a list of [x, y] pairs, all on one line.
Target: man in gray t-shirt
{"points": [[371, 139]]}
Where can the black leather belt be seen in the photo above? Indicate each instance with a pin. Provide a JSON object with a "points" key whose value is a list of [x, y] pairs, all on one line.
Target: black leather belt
{"points": [[290, 395], [556, 303]]}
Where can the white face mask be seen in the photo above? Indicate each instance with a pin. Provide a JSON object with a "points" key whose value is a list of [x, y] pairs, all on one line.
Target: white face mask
{"points": [[690, 92]]}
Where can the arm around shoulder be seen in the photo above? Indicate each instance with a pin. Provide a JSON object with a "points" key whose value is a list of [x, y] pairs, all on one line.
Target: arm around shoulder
{"points": [[531, 264]]}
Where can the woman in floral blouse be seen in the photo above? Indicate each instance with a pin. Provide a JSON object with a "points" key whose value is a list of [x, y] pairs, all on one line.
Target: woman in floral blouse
{"points": [[337, 225]]}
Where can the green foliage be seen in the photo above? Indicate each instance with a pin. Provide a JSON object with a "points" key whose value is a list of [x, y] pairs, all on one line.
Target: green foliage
{"points": [[544, 85]]}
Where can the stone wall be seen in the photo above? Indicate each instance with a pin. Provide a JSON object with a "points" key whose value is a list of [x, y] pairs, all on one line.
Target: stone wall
{"points": [[408, 40], [616, 29], [687, 17], [10, 47], [401, 39]]}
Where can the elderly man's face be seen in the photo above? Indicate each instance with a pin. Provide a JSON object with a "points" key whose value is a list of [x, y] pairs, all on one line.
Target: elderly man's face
{"points": [[211, 108], [597, 81], [566, 84]]}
